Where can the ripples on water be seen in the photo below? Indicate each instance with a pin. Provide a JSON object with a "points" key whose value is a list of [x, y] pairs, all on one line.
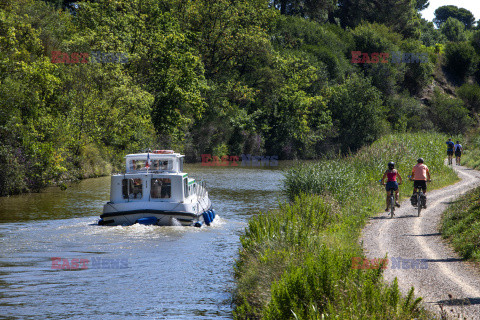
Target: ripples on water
{"points": [[171, 272]]}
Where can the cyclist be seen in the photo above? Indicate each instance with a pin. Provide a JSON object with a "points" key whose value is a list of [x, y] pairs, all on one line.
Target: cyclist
{"points": [[391, 174], [458, 152], [450, 146], [420, 176]]}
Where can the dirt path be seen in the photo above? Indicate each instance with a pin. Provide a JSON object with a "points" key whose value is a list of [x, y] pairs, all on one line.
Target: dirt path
{"points": [[443, 279]]}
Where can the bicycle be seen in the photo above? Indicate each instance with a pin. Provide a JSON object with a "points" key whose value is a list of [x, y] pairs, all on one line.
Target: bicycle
{"points": [[421, 199], [391, 202]]}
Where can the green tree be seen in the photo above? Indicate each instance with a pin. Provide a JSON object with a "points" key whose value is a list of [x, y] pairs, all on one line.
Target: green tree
{"points": [[444, 12], [449, 114], [315, 10], [470, 94], [357, 112], [418, 74], [400, 15], [421, 5], [454, 30], [294, 119], [406, 113], [430, 36], [377, 38], [460, 59]]}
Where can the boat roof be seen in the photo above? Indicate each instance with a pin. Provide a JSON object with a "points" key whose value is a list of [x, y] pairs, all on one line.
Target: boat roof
{"points": [[158, 161], [152, 155]]}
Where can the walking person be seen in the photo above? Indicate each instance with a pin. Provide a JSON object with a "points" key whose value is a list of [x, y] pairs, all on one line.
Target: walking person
{"points": [[458, 152], [450, 146], [420, 176]]}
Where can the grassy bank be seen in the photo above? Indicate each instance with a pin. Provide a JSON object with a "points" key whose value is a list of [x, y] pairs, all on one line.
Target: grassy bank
{"points": [[460, 224], [471, 151], [296, 261]]}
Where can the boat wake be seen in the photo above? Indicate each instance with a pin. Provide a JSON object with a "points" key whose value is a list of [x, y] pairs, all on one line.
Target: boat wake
{"points": [[175, 223]]}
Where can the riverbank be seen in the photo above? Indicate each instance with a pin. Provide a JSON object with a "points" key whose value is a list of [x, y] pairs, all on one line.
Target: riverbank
{"points": [[296, 261]]}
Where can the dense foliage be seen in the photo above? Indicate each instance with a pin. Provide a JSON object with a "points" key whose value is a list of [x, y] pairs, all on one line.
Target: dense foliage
{"points": [[222, 77]]}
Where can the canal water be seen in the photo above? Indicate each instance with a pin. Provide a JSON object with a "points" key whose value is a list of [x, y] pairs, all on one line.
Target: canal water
{"points": [[133, 272]]}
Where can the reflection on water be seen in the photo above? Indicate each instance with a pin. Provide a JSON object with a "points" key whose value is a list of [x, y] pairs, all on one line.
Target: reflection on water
{"points": [[172, 272]]}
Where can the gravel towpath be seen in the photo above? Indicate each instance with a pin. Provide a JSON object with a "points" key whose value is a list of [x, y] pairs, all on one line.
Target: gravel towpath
{"points": [[419, 257]]}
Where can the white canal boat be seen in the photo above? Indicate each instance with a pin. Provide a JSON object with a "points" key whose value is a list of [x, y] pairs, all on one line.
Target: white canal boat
{"points": [[155, 190]]}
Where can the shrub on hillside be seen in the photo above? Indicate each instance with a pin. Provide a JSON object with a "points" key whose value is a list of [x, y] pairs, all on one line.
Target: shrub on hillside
{"points": [[449, 114], [407, 113], [370, 38], [357, 112], [454, 30], [470, 94], [460, 59]]}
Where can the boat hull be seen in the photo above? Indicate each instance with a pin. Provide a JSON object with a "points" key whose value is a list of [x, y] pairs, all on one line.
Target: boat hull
{"points": [[166, 214], [164, 218]]}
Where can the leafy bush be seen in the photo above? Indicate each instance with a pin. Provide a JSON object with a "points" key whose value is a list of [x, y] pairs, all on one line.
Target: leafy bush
{"points": [[407, 113], [357, 112], [460, 59], [454, 30], [449, 114], [470, 94], [370, 38], [12, 172]]}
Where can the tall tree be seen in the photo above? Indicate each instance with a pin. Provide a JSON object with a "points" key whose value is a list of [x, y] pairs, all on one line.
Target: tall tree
{"points": [[422, 4], [444, 12], [399, 15], [454, 30], [318, 10]]}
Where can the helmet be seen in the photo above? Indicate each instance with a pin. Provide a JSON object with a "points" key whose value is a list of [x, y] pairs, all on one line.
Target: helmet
{"points": [[391, 165], [420, 160]]}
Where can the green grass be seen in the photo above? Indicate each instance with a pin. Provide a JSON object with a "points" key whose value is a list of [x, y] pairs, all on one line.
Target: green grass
{"points": [[295, 262], [471, 151], [461, 225]]}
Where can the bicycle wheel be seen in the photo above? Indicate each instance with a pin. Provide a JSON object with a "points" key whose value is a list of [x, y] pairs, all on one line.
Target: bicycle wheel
{"points": [[419, 202], [392, 206]]}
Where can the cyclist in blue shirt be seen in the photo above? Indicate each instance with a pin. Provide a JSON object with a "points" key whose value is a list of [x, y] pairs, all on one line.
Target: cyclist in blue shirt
{"points": [[450, 146]]}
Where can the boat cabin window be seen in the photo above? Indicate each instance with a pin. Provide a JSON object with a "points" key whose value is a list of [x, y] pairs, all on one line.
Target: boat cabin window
{"points": [[161, 165], [161, 188], [136, 165], [185, 187], [155, 165], [132, 188]]}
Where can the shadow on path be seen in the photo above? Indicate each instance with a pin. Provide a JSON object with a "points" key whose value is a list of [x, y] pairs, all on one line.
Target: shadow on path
{"points": [[459, 302]]}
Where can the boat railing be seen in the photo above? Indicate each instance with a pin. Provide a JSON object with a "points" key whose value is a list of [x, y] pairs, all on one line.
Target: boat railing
{"points": [[201, 188]]}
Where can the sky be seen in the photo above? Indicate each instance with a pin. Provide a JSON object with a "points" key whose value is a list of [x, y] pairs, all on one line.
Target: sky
{"points": [[472, 5]]}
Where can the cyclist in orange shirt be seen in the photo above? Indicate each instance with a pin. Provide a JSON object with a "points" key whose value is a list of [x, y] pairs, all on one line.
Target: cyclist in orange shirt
{"points": [[420, 176]]}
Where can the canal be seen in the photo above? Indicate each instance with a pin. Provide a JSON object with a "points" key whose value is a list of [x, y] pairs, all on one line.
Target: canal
{"points": [[164, 272]]}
